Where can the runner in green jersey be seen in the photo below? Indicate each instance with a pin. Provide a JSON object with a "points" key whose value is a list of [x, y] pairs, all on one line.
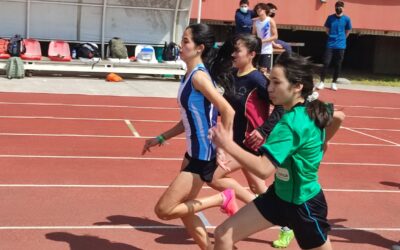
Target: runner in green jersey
{"points": [[293, 152]]}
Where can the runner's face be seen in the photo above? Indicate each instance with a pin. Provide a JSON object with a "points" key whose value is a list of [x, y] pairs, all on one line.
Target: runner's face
{"points": [[241, 55], [188, 48], [280, 91], [260, 12]]}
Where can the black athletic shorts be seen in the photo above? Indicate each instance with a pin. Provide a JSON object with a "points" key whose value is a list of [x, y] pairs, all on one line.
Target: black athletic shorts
{"points": [[307, 220], [265, 61], [205, 169]]}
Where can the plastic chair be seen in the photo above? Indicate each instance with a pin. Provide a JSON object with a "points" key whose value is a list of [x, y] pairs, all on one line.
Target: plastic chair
{"points": [[59, 51], [33, 50], [3, 49]]}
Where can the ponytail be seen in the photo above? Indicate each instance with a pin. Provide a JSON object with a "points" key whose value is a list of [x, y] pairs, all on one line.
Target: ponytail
{"points": [[321, 113], [221, 67]]}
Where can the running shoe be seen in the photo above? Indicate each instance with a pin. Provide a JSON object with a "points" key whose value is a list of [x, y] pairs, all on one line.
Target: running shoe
{"points": [[285, 237], [229, 205]]}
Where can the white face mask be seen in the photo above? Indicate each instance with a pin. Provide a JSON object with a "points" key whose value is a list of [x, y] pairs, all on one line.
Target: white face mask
{"points": [[244, 9]]}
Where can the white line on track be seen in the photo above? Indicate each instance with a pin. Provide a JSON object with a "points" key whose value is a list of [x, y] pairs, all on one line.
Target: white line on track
{"points": [[377, 129], [136, 135], [86, 135], [147, 107], [172, 227], [375, 137], [85, 105], [360, 144], [132, 128], [367, 107], [92, 157], [174, 121], [164, 187], [204, 219], [361, 164], [84, 119], [171, 159], [373, 117]]}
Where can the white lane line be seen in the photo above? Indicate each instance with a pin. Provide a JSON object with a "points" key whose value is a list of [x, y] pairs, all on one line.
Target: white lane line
{"points": [[132, 128], [170, 159], [86, 135], [172, 227], [375, 137], [372, 117], [68, 135], [85, 105], [84, 119], [204, 219], [361, 190], [367, 107], [136, 135], [153, 107], [377, 129], [93, 157], [361, 164], [119, 119], [165, 186], [360, 144]]}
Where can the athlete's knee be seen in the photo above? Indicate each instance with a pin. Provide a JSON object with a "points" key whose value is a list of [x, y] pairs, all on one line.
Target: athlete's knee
{"points": [[258, 188], [223, 236], [163, 212]]}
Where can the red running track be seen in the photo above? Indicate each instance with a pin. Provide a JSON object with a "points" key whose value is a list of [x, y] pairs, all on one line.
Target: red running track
{"points": [[73, 177]]}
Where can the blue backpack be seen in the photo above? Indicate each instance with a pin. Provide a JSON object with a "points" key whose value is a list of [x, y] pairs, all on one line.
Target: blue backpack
{"points": [[16, 46]]}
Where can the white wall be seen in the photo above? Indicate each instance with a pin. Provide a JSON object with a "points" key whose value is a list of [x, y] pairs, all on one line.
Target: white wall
{"points": [[135, 21]]}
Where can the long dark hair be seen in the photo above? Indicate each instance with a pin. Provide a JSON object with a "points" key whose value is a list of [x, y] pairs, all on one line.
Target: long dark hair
{"points": [[222, 65], [202, 34], [301, 70], [252, 43]]}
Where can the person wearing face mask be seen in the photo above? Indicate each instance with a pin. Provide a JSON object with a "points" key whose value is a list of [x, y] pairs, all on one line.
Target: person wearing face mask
{"points": [[278, 44], [338, 27], [243, 18]]}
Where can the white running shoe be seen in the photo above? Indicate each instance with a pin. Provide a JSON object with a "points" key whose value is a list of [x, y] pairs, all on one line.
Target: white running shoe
{"points": [[334, 86], [321, 85]]}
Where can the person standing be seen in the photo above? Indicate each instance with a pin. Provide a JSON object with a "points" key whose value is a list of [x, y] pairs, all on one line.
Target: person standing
{"points": [[244, 18], [265, 28], [338, 27]]}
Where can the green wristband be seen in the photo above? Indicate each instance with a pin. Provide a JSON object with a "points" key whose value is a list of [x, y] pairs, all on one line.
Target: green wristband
{"points": [[161, 139]]}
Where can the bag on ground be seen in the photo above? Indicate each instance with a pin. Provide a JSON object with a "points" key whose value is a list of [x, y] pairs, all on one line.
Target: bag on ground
{"points": [[118, 48], [170, 52], [15, 68], [16, 46], [88, 50]]}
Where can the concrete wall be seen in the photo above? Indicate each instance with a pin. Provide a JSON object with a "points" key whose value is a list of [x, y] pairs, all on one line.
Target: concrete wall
{"points": [[139, 21], [380, 15]]}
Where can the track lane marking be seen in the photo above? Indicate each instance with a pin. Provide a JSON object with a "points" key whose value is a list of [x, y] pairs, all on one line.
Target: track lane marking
{"points": [[165, 186], [132, 128], [372, 136]]}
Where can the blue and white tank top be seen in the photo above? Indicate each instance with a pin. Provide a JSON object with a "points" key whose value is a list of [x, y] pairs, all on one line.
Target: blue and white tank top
{"points": [[264, 32], [198, 116]]}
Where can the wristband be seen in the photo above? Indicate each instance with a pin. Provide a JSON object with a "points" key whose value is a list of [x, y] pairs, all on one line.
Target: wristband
{"points": [[161, 139]]}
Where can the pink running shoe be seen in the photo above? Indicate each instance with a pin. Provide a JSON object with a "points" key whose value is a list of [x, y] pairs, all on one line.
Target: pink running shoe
{"points": [[229, 205]]}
